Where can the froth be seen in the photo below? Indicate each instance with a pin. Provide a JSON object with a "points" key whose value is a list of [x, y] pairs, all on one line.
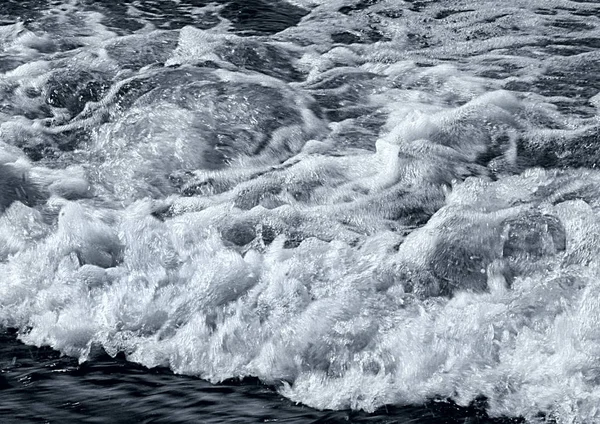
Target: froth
{"points": [[386, 203]]}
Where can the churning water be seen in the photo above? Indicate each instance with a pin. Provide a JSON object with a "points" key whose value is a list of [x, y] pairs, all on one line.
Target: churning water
{"points": [[381, 209]]}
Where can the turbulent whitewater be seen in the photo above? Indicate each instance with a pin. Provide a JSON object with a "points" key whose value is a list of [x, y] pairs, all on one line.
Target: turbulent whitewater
{"points": [[367, 203]]}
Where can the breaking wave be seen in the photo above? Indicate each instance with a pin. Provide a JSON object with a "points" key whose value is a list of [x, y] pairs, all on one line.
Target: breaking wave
{"points": [[377, 202]]}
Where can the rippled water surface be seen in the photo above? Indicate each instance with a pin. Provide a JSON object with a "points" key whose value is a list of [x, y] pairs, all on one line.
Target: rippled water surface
{"points": [[300, 211]]}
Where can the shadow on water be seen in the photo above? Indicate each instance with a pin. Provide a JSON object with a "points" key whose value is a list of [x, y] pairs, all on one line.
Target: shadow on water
{"points": [[40, 385]]}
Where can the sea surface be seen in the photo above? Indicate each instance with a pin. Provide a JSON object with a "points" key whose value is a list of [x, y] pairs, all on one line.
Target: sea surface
{"points": [[300, 211]]}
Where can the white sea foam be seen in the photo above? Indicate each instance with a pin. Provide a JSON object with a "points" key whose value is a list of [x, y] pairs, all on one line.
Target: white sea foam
{"points": [[387, 203]]}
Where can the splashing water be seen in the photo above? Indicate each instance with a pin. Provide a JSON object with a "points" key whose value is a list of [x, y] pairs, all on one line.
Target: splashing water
{"points": [[364, 203]]}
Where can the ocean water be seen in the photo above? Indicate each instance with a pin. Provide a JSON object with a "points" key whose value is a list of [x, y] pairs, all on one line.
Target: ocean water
{"points": [[300, 211]]}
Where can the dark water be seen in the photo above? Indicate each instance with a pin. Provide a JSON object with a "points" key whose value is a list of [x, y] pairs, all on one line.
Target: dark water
{"points": [[40, 385], [368, 211]]}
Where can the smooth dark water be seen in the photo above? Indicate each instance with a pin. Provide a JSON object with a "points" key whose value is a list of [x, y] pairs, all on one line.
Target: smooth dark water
{"points": [[40, 385]]}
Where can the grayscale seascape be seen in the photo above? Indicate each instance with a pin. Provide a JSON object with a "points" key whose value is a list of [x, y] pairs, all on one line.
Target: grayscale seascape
{"points": [[300, 211]]}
